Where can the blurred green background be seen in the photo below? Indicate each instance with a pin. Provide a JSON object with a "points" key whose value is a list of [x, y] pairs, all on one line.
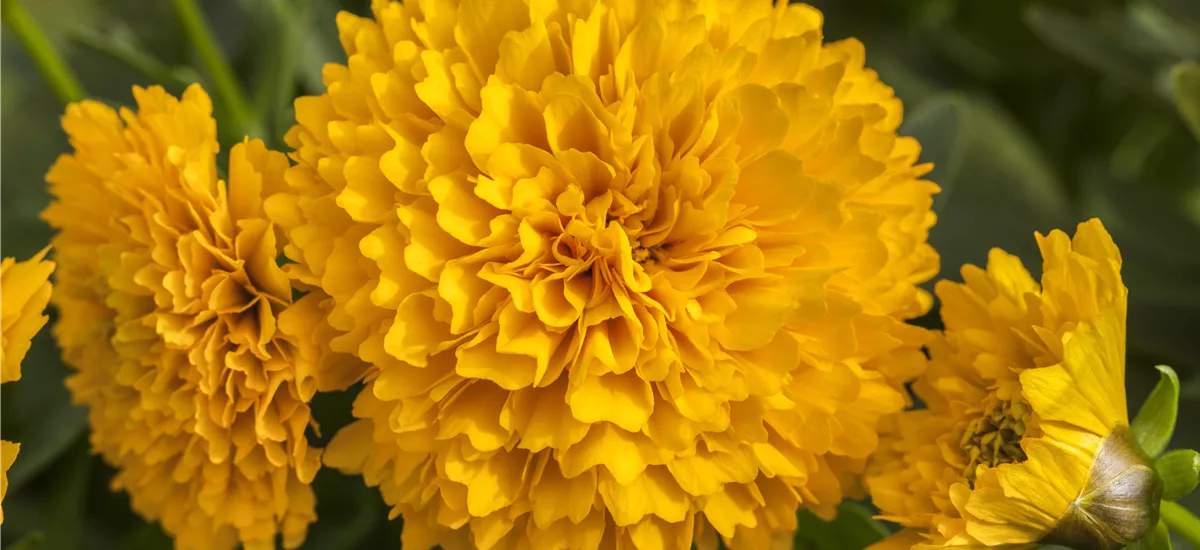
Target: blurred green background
{"points": [[1038, 114]]}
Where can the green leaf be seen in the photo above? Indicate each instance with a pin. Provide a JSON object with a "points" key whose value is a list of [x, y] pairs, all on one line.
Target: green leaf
{"points": [[33, 541], [41, 447], [67, 498], [1157, 539], [1185, 83], [852, 529], [1155, 423], [120, 43], [1009, 173], [285, 24], [1180, 472], [939, 124], [1188, 10], [1093, 43]]}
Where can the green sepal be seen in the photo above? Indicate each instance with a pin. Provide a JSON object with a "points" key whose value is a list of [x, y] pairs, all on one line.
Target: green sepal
{"points": [[1179, 471], [1155, 423]]}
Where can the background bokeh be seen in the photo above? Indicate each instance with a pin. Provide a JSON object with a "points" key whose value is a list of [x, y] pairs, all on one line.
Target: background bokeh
{"points": [[1038, 114]]}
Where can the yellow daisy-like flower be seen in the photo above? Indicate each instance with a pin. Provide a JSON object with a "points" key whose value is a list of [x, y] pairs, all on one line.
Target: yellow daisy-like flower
{"points": [[1025, 437], [24, 292], [629, 273], [193, 360]]}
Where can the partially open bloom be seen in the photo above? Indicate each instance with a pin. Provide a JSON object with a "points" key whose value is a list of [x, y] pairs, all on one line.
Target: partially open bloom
{"points": [[24, 292], [1025, 437], [194, 362], [629, 273]]}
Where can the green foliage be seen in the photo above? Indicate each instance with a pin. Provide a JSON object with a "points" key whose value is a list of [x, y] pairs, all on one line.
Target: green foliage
{"points": [[1185, 82], [1179, 471], [1157, 539], [852, 529], [1155, 422], [32, 541]]}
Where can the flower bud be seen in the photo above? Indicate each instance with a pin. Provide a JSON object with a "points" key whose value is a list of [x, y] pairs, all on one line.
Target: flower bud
{"points": [[1118, 505]]}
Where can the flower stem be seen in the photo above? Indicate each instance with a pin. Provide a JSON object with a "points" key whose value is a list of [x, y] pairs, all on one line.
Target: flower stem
{"points": [[53, 68], [1181, 522], [225, 83]]}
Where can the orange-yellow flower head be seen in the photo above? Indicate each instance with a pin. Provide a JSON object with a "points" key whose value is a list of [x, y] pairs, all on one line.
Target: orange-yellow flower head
{"points": [[191, 357], [629, 273], [1025, 437], [24, 293]]}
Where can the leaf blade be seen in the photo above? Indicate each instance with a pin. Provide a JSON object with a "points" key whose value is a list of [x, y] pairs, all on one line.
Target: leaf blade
{"points": [[1155, 423]]}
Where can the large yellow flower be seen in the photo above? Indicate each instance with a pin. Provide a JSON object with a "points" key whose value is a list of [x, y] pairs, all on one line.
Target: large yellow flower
{"points": [[194, 362], [628, 273], [24, 292], [1025, 437]]}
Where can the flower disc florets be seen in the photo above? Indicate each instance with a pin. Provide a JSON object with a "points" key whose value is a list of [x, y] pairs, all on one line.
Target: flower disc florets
{"points": [[194, 363], [628, 272]]}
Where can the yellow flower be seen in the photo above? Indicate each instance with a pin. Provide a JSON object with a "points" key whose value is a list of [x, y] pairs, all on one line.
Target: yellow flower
{"points": [[1025, 437], [191, 356], [628, 273], [23, 299], [24, 293]]}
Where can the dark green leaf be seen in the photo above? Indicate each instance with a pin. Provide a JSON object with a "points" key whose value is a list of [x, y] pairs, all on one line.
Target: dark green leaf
{"points": [[67, 498], [1155, 423], [33, 541], [321, 46], [40, 447], [1009, 173], [1108, 45], [349, 511], [1189, 10], [286, 25], [119, 43], [852, 529], [1180, 472], [939, 124], [1157, 539], [1185, 83], [149, 537]]}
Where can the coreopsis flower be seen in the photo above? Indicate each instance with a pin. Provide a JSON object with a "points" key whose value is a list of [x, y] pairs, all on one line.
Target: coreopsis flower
{"points": [[24, 293], [1025, 437], [194, 362], [627, 273]]}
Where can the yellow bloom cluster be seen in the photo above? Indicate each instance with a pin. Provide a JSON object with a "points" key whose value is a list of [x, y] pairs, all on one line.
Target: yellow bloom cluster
{"points": [[24, 293], [628, 273], [1026, 403], [194, 362]]}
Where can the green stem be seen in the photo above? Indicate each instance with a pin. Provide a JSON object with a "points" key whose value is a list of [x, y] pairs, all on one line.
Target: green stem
{"points": [[133, 57], [225, 83], [1181, 522], [53, 68]]}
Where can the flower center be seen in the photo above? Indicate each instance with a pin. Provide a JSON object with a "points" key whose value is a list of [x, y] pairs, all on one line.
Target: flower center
{"points": [[995, 437], [644, 255]]}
